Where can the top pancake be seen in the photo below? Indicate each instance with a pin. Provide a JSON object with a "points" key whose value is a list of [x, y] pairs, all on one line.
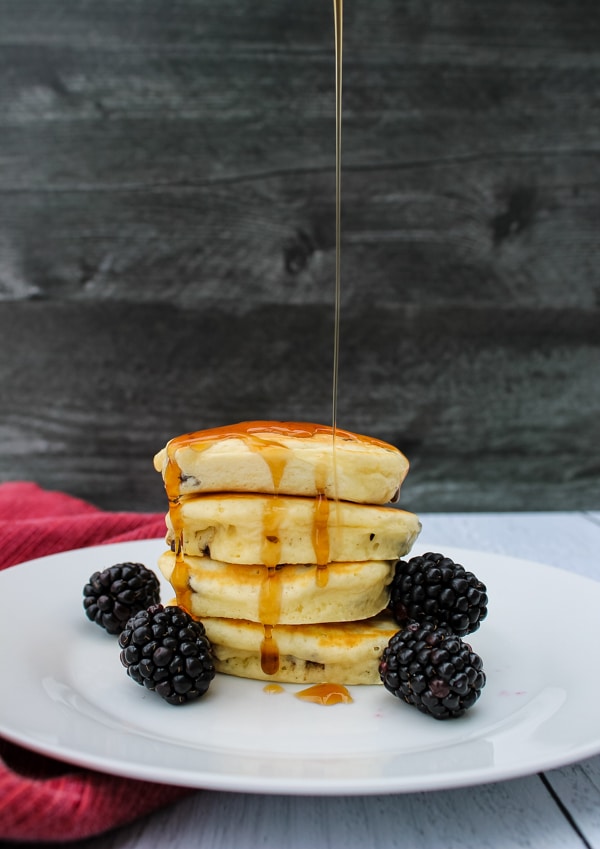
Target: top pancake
{"points": [[283, 457]]}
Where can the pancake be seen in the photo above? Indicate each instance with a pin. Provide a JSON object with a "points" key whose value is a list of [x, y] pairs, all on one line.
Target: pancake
{"points": [[269, 529], [336, 653], [294, 458], [291, 594]]}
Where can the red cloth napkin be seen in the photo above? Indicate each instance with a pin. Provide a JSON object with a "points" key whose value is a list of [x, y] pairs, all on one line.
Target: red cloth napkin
{"points": [[42, 799]]}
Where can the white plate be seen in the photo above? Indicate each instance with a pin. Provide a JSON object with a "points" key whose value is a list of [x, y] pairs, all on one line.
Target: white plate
{"points": [[65, 693]]}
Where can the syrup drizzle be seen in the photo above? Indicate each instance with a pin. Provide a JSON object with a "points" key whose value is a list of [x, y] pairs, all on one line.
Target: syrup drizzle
{"points": [[271, 546], [269, 602], [269, 653], [180, 575]]}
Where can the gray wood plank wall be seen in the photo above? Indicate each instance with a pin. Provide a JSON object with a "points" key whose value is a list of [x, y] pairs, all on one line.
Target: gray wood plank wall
{"points": [[167, 238]]}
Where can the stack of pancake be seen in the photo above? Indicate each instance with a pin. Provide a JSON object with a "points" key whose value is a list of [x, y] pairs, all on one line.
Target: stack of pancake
{"points": [[282, 542]]}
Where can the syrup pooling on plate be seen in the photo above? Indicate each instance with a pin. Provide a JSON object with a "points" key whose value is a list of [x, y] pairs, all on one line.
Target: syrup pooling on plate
{"points": [[273, 689], [326, 694]]}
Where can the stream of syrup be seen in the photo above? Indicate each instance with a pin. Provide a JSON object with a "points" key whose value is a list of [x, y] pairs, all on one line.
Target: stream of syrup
{"points": [[338, 25], [338, 20]]}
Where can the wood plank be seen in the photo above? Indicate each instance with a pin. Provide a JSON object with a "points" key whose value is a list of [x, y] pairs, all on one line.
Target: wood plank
{"points": [[561, 539], [516, 813], [118, 379], [444, 233], [578, 788], [531, 24], [128, 156]]}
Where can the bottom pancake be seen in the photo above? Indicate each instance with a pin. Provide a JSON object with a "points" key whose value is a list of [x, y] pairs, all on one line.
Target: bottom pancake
{"points": [[336, 653]]}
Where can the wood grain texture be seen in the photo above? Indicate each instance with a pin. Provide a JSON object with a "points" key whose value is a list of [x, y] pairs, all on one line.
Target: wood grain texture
{"points": [[516, 813], [577, 787], [167, 238]]}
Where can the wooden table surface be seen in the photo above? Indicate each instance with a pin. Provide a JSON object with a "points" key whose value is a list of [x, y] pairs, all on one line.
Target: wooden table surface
{"points": [[560, 808]]}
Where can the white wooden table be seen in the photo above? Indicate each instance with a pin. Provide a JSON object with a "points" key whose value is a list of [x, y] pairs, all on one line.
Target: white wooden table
{"points": [[560, 808]]}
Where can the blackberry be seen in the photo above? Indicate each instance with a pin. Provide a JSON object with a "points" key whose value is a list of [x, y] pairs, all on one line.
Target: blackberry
{"points": [[433, 588], [112, 596], [167, 651], [432, 669]]}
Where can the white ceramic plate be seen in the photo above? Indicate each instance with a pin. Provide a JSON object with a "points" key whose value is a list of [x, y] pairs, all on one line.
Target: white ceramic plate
{"points": [[65, 694]]}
